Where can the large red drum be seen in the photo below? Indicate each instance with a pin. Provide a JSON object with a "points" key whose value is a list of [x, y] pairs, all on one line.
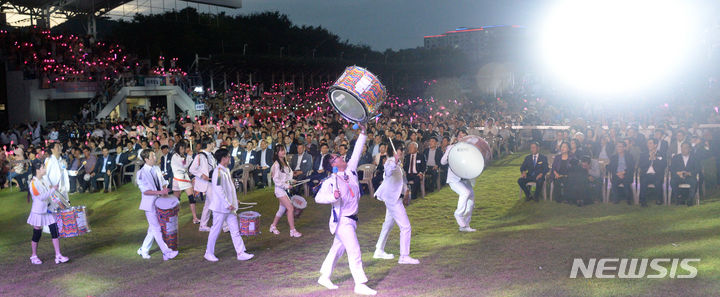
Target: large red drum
{"points": [[468, 157]]}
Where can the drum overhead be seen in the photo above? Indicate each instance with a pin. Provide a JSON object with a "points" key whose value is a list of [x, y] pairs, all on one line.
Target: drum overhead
{"points": [[357, 94]]}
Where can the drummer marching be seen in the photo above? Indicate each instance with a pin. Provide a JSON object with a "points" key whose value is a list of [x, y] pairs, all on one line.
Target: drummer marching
{"points": [[40, 216], [151, 184], [223, 204], [464, 189]]}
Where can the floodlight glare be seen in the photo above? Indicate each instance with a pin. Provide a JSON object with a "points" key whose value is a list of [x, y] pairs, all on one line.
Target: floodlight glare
{"points": [[615, 45]]}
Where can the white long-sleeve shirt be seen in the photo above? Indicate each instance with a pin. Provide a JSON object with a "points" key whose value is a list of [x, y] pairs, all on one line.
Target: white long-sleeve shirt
{"points": [[347, 204]]}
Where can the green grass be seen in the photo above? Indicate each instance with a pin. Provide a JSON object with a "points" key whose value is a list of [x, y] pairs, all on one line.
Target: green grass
{"points": [[520, 249]]}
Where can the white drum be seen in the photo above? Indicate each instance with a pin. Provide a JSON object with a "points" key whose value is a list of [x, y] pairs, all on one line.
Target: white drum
{"points": [[468, 157]]}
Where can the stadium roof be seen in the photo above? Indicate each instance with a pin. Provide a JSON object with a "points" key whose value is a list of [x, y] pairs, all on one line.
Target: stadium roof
{"points": [[74, 6]]}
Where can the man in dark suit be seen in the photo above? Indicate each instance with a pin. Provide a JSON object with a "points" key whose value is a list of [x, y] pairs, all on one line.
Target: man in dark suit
{"points": [[166, 164], [662, 145], [622, 168], [414, 165], [533, 169], [433, 154], [652, 171], [676, 143], [264, 159], [290, 146], [318, 171], [104, 167], [684, 170], [301, 163]]}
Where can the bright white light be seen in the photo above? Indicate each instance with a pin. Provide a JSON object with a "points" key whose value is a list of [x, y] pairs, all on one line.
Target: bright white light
{"points": [[198, 89], [615, 45]]}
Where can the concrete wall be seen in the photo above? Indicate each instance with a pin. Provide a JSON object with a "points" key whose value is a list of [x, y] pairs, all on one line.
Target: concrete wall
{"points": [[26, 101]]}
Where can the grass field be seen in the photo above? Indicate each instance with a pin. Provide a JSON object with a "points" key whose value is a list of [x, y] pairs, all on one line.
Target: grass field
{"points": [[520, 249]]}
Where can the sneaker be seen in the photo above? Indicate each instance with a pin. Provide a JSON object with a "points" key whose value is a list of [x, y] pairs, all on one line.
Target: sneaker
{"points": [[380, 254], [467, 229], [211, 258], [408, 260], [362, 289], [204, 229], [295, 233], [325, 282], [169, 255], [245, 256], [142, 253]]}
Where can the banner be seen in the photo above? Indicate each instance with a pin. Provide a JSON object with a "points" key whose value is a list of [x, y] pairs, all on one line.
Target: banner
{"points": [[199, 107]]}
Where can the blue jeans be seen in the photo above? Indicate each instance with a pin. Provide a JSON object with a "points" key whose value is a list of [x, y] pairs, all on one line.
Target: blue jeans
{"points": [[21, 178]]}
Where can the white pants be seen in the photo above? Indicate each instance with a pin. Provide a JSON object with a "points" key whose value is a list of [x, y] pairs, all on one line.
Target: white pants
{"points": [[466, 202], [345, 239], [232, 222], [205, 218], [395, 213], [155, 233]]}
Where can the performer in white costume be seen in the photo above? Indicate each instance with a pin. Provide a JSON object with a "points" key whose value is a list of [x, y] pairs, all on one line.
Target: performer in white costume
{"points": [[389, 191], [464, 189], [152, 185], [223, 204], [39, 216], [342, 191], [57, 174]]}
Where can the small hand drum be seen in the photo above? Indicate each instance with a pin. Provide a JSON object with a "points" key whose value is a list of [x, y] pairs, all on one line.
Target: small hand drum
{"points": [[468, 157], [299, 203], [357, 94]]}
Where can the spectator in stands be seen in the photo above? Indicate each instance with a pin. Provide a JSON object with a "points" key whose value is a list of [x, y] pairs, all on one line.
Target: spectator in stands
{"points": [[684, 170], [89, 169], [560, 171], [621, 168], [104, 168], [652, 167], [264, 157], [432, 154], [414, 165], [533, 169]]}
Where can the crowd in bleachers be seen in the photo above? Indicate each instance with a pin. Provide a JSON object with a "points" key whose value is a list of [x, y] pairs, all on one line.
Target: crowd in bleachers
{"points": [[608, 155]]}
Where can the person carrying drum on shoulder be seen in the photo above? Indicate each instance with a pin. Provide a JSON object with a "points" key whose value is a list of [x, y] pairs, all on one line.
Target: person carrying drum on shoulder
{"points": [[180, 162], [40, 192], [223, 204], [201, 167], [151, 184], [282, 175], [342, 191], [464, 189], [389, 192]]}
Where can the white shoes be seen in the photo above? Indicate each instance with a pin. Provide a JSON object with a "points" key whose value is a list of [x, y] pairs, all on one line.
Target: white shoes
{"points": [[467, 229], [274, 230], [380, 254], [245, 256], [325, 282], [61, 259], [362, 289], [204, 229], [211, 257], [408, 260], [169, 255], [295, 233], [142, 253]]}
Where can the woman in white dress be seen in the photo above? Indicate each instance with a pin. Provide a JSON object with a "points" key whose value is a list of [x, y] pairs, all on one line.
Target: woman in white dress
{"points": [[40, 192], [282, 175], [180, 163]]}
